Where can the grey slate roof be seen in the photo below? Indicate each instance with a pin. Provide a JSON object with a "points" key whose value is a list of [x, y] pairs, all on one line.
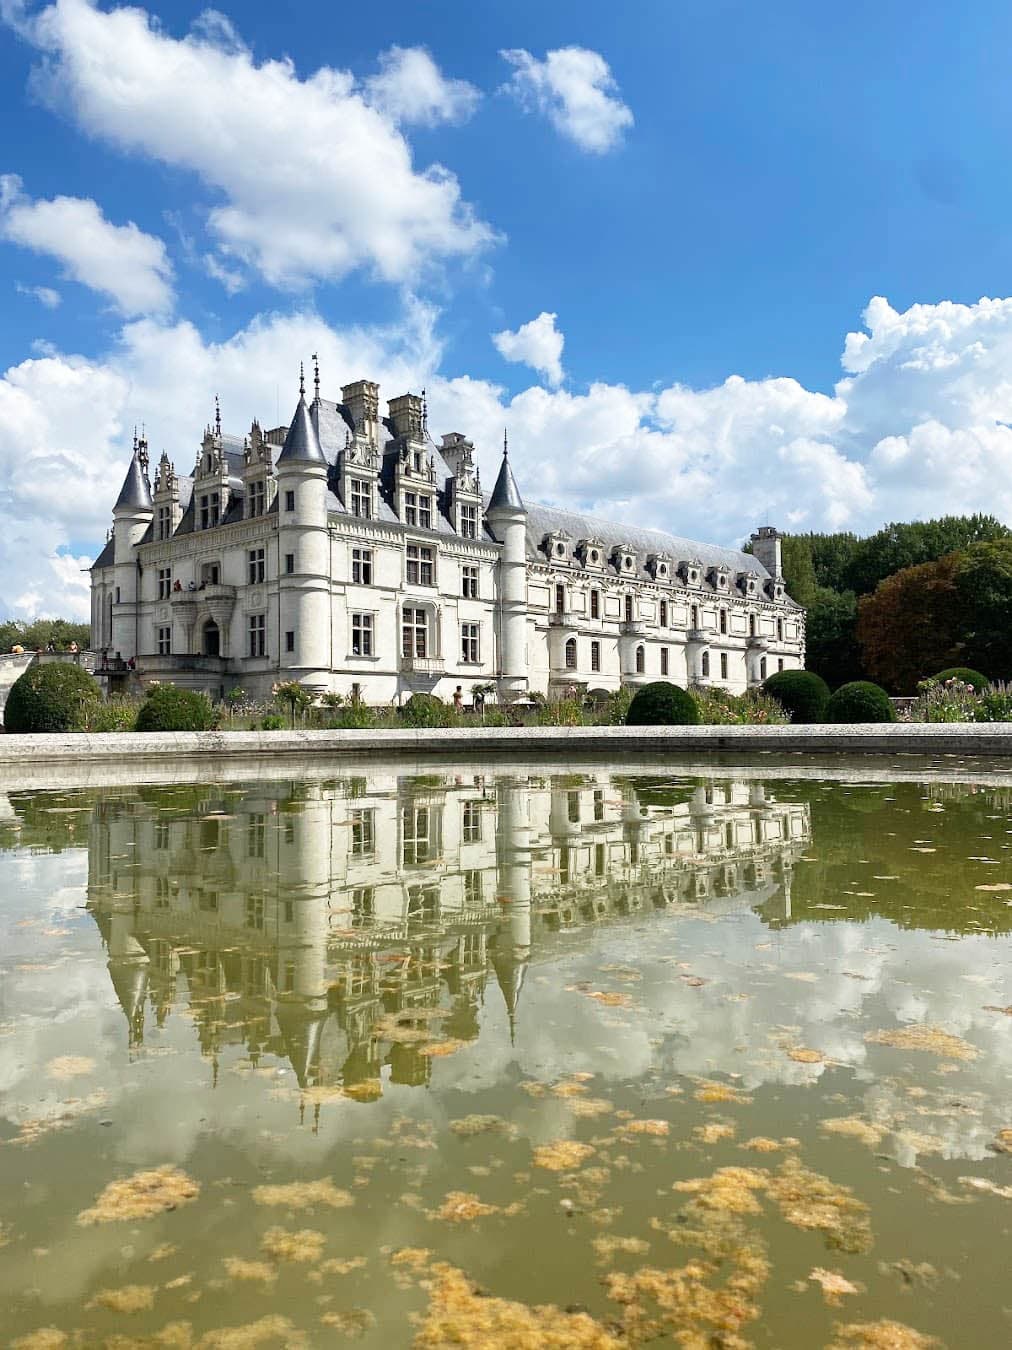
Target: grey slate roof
{"points": [[105, 558], [544, 520], [135, 494], [505, 495], [302, 444]]}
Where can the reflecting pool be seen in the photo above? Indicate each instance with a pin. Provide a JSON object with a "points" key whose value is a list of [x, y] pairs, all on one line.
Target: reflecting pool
{"points": [[597, 1059]]}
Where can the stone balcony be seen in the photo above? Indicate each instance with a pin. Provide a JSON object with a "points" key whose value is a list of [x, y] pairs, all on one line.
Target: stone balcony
{"points": [[633, 628], [428, 666], [698, 635]]}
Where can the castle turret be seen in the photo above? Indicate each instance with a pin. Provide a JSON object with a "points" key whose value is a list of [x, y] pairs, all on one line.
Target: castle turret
{"points": [[304, 549], [131, 516], [507, 519]]}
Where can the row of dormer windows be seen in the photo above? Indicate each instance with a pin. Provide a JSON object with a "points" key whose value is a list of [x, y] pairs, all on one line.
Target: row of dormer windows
{"points": [[663, 615]]}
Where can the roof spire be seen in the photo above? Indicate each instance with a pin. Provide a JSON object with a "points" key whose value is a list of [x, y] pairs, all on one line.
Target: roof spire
{"points": [[505, 494], [217, 416], [316, 375], [505, 444], [302, 380]]}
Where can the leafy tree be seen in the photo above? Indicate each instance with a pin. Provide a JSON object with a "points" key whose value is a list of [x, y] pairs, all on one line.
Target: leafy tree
{"points": [[41, 632], [983, 581], [831, 556], [799, 574], [912, 625], [898, 546], [832, 649]]}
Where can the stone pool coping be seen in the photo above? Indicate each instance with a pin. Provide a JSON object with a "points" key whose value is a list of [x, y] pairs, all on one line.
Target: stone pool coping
{"points": [[990, 739]]}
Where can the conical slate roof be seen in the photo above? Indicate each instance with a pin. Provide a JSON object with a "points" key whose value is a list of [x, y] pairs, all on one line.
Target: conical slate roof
{"points": [[135, 494], [505, 494], [302, 443]]}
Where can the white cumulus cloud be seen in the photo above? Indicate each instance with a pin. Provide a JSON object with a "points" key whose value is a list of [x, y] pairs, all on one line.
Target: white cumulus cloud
{"points": [[45, 295], [537, 344], [410, 88], [575, 89], [311, 181], [120, 261]]}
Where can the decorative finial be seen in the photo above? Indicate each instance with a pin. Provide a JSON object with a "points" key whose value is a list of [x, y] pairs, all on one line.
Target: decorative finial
{"points": [[135, 438], [505, 445], [425, 416], [302, 380], [316, 374], [217, 416]]}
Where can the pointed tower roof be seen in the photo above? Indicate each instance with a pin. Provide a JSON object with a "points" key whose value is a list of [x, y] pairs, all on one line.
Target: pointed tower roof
{"points": [[302, 445], [135, 494], [510, 966], [505, 494]]}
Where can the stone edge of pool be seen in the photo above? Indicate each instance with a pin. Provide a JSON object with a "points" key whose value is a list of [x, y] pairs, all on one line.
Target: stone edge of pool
{"points": [[862, 738]]}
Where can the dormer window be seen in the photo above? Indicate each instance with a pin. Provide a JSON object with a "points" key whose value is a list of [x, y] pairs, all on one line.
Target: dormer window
{"points": [[360, 493], [691, 571], [257, 498], [210, 507], [659, 567], [590, 552], [469, 520], [418, 510], [560, 550]]}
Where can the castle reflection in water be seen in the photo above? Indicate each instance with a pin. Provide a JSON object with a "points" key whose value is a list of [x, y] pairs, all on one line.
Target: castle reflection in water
{"points": [[330, 923]]}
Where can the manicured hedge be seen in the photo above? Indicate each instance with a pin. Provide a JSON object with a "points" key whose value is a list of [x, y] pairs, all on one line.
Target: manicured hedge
{"points": [[56, 697], [801, 693], [860, 701], [168, 708], [662, 705], [425, 710], [965, 675]]}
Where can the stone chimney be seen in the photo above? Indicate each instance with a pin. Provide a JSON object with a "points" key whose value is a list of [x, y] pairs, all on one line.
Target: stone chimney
{"points": [[766, 550], [406, 415], [362, 401]]}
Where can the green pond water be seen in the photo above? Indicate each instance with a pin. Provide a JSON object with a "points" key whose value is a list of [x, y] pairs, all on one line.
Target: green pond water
{"points": [[511, 1060]]}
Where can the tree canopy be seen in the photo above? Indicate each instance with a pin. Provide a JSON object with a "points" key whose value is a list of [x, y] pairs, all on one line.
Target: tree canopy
{"points": [[40, 632]]}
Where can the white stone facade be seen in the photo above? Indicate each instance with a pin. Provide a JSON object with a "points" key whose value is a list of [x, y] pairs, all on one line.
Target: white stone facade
{"points": [[351, 553]]}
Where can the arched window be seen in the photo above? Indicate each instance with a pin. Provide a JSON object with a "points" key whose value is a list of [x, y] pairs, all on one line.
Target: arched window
{"points": [[628, 609], [641, 660], [664, 614], [706, 665], [211, 638], [723, 620], [571, 654]]}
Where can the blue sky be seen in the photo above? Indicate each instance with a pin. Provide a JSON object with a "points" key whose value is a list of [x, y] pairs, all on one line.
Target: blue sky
{"points": [[694, 191]]}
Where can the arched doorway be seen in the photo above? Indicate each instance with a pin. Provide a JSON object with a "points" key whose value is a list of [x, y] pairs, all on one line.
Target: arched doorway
{"points": [[211, 645]]}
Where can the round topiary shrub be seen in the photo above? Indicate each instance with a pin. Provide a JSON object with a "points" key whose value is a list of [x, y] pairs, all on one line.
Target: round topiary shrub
{"points": [[425, 710], [860, 701], [965, 675], [662, 705], [57, 697], [168, 708], [801, 693]]}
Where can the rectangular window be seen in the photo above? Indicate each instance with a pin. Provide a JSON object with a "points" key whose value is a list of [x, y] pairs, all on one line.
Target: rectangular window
{"points": [[410, 508], [420, 833], [418, 510], [289, 563], [595, 655], [780, 663], [289, 501], [164, 522], [469, 582], [469, 643], [723, 620], [117, 595], [595, 604], [256, 835], [664, 660], [361, 635], [425, 512], [598, 805], [421, 565], [361, 499], [290, 641], [161, 834], [415, 633], [165, 642], [210, 574], [469, 521], [471, 824], [723, 665], [164, 582], [560, 599], [361, 566], [473, 887], [628, 609], [257, 498], [256, 566], [363, 833], [664, 614], [257, 634]]}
